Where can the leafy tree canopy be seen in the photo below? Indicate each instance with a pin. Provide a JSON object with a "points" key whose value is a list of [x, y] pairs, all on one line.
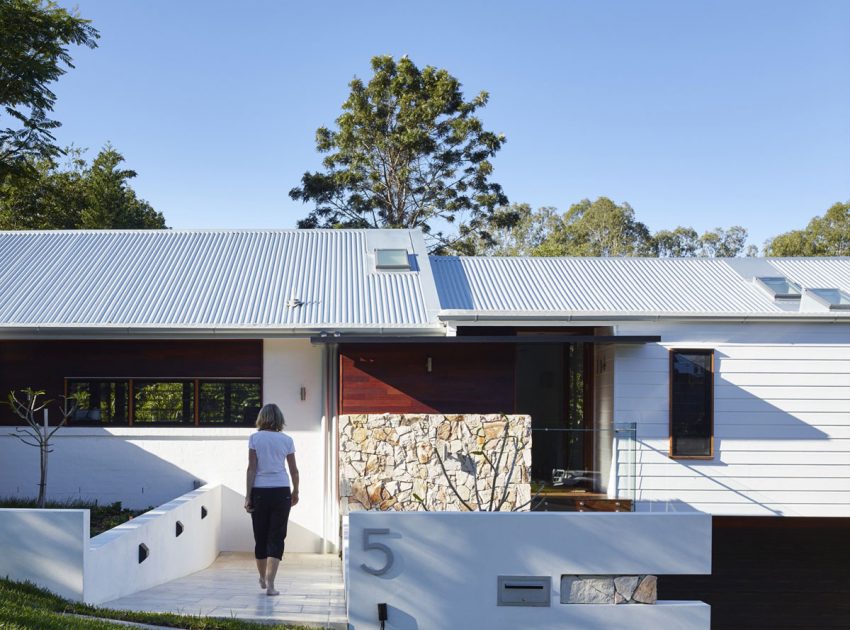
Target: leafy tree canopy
{"points": [[828, 235], [604, 228], [408, 152], [34, 39], [76, 195]]}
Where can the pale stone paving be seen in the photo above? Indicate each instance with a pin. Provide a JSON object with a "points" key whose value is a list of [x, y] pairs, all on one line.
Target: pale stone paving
{"points": [[310, 585]]}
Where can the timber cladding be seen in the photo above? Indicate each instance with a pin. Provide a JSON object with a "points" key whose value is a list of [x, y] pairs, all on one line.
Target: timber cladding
{"points": [[773, 572], [394, 378], [45, 364]]}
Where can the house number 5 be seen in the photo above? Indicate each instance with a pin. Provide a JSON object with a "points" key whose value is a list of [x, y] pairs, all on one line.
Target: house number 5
{"points": [[370, 545]]}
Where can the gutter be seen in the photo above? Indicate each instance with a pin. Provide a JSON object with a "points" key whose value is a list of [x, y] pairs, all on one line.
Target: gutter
{"points": [[526, 316], [108, 331]]}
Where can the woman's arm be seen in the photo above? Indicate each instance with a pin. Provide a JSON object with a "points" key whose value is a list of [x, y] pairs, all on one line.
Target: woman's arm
{"points": [[252, 474], [293, 474]]}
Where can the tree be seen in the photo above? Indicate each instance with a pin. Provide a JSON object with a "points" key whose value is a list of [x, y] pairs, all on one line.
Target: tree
{"points": [[34, 39], [408, 152], [76, 195], [524, 232], [828, 235], [36, 434], [598, 228], [603, 228]]}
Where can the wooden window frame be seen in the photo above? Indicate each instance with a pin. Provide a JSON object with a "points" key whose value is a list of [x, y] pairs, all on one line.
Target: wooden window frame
{"points": [[704, 351], [194, 421]]}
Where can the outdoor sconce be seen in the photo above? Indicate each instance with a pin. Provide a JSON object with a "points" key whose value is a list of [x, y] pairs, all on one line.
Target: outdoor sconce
{"points": [[428, 365], [303, 393]]}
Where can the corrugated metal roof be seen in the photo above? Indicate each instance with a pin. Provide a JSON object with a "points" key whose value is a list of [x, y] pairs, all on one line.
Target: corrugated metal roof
{"points": [[208, 279], [610, 286], [815, 273]]}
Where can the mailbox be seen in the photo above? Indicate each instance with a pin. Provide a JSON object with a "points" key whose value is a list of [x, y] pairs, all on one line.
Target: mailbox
{"points": [[524, 590]]}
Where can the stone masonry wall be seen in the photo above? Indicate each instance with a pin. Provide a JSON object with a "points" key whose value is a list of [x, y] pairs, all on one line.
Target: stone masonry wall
{"points": [[411, 462]]}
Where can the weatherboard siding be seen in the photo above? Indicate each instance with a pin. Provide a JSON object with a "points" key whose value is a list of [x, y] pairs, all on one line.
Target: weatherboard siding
{"points": [[781, 420]]}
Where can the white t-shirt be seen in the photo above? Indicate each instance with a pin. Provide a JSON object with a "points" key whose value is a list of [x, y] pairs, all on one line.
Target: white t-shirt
{"points": [[272, 447]]}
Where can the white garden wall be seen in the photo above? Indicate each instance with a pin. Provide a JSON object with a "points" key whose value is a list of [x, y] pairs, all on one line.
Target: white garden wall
{"points": [[52, 548], [148, 466], [46, 547], [782, 419], [446, 566]]}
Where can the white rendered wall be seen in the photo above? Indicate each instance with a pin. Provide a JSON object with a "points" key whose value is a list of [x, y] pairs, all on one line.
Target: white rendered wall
{"points": [[148, 466], [112, 566], [45, 547], [446, 565], [781, 422], [289, 364]]}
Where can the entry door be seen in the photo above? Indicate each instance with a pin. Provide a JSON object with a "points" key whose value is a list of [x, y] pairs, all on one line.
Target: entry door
{"points": [[550, 388]]}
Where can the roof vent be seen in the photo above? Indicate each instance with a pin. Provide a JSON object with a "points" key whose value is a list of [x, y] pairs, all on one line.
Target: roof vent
{"points": [[392, 259], [780, 288], [294, 302]]}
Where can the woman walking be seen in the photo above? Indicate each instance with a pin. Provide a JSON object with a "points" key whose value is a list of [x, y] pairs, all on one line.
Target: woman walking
{"points": [[269, 496]]}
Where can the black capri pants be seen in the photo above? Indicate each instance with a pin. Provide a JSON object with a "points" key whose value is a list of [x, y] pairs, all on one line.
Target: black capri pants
{"points": [[269, 518]]}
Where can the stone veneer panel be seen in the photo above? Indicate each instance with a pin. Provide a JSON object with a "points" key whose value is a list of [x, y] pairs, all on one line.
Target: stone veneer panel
{"points": [[387, 460]]}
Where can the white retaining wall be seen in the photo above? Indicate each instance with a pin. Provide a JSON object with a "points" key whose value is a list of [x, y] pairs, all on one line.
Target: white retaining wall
{"points": [[52, 548], [781, 421], [112, 564], [148, 466], [445, 567], [46, 547]]}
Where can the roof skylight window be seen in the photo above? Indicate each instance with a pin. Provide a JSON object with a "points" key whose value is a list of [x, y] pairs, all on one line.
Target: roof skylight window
{"points": [[781, 288], [392, 259], [836, 299]]}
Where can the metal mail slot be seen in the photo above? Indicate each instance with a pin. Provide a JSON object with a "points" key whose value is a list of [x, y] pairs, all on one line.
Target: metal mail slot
{"points": [[524, 590]]}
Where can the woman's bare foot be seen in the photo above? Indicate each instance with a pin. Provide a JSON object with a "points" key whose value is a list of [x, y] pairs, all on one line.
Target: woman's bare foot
{"points": [[271, 591], [262, 583]]}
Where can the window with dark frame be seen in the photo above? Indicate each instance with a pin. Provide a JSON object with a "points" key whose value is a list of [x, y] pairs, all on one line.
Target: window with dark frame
{"points": [[692, 403], [99, 401], [228, 402], [175, 402]]}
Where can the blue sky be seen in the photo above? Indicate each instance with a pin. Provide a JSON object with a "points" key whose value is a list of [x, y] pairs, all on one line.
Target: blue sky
{"points": [[696, 113]]}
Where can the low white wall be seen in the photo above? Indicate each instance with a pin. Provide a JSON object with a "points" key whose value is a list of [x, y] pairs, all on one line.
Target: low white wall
{"points": [[446, 565], [46, 547], [112, 565]]}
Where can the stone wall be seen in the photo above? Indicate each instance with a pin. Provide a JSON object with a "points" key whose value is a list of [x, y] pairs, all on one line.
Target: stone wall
{"points": [[434, 462]]}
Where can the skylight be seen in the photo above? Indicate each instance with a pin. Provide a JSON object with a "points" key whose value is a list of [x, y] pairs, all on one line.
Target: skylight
{"points": [[780, 287], [836, 299], [391, 259]]}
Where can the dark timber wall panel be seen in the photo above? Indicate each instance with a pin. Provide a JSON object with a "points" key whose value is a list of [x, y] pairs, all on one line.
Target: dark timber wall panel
{"points": [[45, 364], [393, 378], [768, 572]]}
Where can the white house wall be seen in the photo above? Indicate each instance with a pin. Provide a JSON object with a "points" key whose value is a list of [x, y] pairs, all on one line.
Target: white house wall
{"points": [[781, 421], [148, 466]]}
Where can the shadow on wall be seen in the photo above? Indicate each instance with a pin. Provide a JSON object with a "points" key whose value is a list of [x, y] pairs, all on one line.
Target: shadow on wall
{"points": [[741, 421], [93, 464]]}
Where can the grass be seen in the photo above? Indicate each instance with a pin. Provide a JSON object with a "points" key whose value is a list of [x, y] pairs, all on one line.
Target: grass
{"points": [[103, 517], [25, 606]]}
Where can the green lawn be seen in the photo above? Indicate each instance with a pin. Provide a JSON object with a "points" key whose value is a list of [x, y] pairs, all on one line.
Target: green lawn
{"points": [[103, 517], [24, 606]]}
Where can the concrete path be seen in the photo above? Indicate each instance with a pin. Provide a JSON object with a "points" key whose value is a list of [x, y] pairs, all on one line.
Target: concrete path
{"points": [[310, 585]]}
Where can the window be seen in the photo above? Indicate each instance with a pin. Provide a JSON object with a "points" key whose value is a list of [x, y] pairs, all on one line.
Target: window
{"points": [[228, 402], [163, 402], [836, 299], [692, 403], [98, 401], [781, 288], [181, 402], [391, 259]]}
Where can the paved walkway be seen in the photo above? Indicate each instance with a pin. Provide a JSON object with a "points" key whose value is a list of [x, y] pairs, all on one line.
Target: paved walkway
{"points": [[310, 585]]}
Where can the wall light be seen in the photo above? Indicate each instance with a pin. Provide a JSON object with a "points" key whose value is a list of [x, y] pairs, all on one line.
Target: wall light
{"points": [[428, 365], [303, 393]]}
